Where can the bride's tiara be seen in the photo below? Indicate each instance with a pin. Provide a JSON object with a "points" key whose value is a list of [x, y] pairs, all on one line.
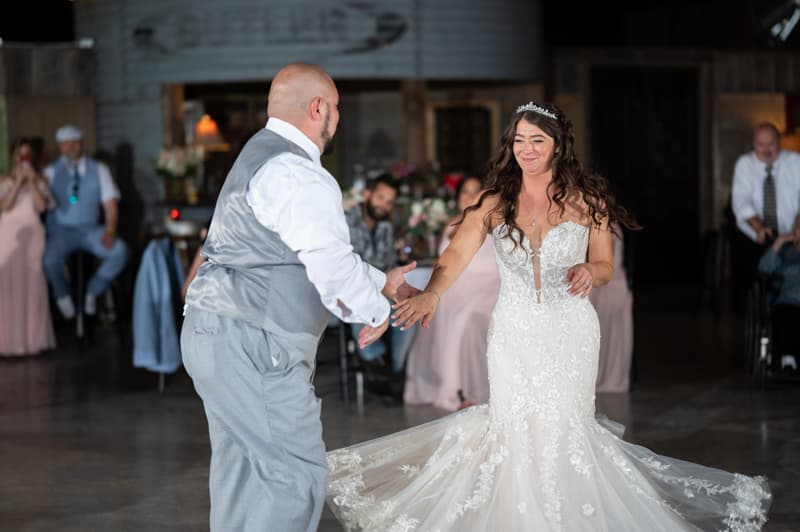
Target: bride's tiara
{"points": [[530, 106]]}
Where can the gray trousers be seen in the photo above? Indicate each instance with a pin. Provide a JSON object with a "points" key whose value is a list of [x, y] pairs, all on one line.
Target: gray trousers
{"points": [[268, 468]]}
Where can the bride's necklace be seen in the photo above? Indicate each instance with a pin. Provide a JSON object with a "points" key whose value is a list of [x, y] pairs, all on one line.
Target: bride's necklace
{"points": [[534, 219]]}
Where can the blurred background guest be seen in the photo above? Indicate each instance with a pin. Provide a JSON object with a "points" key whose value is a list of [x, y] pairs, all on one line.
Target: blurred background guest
{"points": [[372, 237], [614, 305], [25, 324], [81, 185], [765, 198], [782, 263], [447, 362]]}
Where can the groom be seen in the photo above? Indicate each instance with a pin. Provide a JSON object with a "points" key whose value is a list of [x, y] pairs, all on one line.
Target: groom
{"points": [[278, 259]]}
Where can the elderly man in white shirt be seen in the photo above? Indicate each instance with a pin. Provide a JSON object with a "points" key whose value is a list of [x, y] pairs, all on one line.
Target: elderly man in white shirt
{"points": [[765, 200], [278, 260]]}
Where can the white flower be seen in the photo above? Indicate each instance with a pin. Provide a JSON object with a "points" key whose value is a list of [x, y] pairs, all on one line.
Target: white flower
{"points": [[179, 162], [588, 510]]}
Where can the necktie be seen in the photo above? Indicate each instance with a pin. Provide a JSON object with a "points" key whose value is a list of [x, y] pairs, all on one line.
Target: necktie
{"points": [[76, 182], [770, 203]]}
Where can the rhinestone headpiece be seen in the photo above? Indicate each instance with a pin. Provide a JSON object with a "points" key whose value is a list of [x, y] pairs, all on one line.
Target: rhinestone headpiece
{"points": [[530, 106]]}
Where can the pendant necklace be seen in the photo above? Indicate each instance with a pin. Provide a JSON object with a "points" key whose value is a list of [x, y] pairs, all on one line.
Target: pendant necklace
{"points": [[532, 223]]}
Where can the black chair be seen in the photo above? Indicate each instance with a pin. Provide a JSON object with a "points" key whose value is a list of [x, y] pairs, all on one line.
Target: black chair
{"points": [[80, 267], [347, 350]]}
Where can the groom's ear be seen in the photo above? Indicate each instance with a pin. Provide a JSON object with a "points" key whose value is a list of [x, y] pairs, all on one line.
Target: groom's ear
{"points": [[315, 108]]}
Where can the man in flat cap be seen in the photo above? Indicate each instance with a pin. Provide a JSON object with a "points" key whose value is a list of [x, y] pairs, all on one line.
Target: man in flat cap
{"points": [[81, 186]]}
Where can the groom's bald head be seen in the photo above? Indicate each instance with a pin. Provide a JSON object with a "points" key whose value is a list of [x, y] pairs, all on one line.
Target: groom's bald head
{"points": [[306, 97]]}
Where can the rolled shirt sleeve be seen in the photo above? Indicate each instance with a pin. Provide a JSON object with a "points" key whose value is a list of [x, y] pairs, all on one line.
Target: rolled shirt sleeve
{"points": [[108, 188], [302, 203], [49, 172], [742, 197]]}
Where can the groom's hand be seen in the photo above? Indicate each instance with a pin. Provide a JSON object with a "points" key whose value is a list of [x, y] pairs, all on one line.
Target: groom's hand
{"points": [[405, 291], [369, 334], [395, 279]]}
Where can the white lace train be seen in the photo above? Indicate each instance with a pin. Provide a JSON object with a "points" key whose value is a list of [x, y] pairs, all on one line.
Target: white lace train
{"points": [[535, 458]]}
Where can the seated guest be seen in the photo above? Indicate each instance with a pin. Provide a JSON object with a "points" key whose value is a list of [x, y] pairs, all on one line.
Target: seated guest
{"points": [[447, 361], [765, 196], [372, 237], [614, 305], [782, 263], [81, 186], [25, 324]]}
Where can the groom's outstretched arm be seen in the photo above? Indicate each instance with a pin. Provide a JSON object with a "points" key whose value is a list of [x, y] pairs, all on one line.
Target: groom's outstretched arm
{"points": [[303, 204]]}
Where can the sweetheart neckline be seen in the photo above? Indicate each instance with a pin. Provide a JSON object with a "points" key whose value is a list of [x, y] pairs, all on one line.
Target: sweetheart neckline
{"points": [[544, 238]]}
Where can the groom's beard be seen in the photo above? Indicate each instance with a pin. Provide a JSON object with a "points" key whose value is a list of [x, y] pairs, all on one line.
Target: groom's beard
{"points": [[327, 148], [376, 214]]}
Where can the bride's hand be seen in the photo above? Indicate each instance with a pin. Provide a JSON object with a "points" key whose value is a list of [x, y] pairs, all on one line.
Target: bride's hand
{"points": [[580, 280], [420, 307]]}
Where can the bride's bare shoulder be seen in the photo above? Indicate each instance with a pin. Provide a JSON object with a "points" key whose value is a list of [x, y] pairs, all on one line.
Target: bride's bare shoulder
{"points": [[490, 211]]}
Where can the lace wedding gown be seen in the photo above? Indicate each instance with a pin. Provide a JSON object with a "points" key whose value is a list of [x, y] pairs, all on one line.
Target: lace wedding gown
{"points": [[535, 458]]}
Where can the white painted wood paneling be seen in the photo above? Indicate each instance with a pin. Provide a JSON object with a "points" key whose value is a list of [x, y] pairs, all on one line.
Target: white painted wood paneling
{"points": [[143, 44]]}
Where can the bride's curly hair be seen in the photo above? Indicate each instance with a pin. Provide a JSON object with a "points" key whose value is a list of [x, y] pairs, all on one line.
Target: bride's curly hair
{"points": [[504, 177]]}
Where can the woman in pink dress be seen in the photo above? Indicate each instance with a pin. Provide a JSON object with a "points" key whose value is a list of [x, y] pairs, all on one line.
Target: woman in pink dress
{"points": [[447, 362], [25, 325], [614, 305]]}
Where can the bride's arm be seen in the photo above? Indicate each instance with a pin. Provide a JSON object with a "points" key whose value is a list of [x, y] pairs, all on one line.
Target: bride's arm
{"points": [[601, 255], [599, 265], [453, 261]]}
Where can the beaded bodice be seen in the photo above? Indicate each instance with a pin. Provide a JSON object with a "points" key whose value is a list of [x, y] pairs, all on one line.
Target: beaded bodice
{"points": [[536, 274]]}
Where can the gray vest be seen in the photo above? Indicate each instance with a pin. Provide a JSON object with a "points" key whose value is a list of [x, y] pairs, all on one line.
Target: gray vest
{"points": [[250, 273]]}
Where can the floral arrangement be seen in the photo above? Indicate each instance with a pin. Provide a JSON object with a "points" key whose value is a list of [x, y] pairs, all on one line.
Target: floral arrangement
{"points": [[180, 167], [428, 217], [179, 162], [418, 181]]}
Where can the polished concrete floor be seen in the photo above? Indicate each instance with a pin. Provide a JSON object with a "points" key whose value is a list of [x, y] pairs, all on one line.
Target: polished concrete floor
{"points": [[87, 443]]}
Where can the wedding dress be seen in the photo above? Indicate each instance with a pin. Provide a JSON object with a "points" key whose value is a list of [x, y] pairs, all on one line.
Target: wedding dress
{"points": [[535, 458]]}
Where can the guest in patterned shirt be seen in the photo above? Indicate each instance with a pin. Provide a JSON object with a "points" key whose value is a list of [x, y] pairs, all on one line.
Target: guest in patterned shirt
{"points": [[372, 237]]}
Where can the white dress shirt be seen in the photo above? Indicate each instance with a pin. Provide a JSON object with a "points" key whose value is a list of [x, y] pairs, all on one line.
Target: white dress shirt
{"points": [[302, 202], [747, 196], [108, 189]]}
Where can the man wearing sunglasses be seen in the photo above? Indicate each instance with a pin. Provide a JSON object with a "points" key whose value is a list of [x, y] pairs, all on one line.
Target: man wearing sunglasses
{"points": [[81, 186]]}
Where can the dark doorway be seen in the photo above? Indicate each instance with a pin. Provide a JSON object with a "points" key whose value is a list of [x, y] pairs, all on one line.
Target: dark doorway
{"points": [[644, 139], [463, 139]]}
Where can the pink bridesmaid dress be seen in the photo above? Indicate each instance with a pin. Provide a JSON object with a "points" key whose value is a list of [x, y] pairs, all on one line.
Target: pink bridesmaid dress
{"points": [[614, 305], [451, 354], [25, 324]]}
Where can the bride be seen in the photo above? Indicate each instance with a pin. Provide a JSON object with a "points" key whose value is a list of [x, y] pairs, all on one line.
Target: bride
{"points": [[535, 457]]}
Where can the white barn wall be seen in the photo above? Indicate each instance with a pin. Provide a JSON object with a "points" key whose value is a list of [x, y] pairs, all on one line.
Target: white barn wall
{"points": [[144, 44]]}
